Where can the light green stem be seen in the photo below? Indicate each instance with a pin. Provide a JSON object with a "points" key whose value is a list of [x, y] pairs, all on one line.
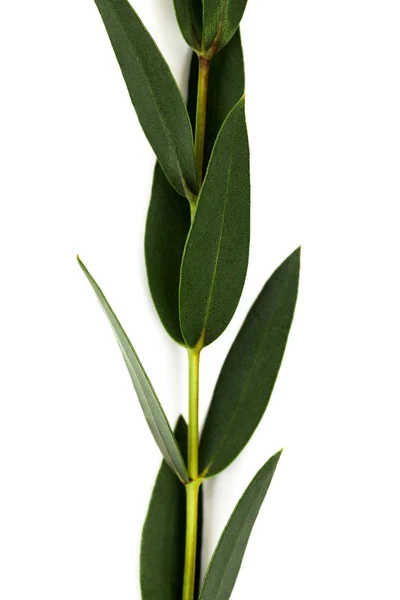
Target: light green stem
{"points": [[193, 431], [192, 488], [192, 508]]}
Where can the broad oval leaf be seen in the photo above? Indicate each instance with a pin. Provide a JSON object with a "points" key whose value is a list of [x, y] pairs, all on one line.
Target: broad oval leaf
{"points": [[149, 402], [167, 226], [153, 91], [225, 563], [189, 16], [248, 375], [168, 217], [162, 553], [215, 258], [221, 19]]}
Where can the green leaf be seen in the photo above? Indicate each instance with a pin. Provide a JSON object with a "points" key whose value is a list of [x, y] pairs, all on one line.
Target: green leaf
{"points": [[248, 375], [224, 566], [149, 402], [221, 19], [153, 91], [168, 218], [215, 258], [167, 226], [189, 16], [163, 539]]}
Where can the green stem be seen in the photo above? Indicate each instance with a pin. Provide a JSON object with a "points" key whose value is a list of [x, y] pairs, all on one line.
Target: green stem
{"points": [[193, 432], [202, 88], [192, 508], [192, 488]]}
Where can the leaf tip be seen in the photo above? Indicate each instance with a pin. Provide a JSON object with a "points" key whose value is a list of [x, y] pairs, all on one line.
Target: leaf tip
{"points": [[81, 264], [180, 421], [275, 458], [180, 427], [294, 258]]}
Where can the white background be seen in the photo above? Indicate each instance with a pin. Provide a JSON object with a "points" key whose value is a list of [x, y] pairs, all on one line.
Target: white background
{"points": [[77, 463]]}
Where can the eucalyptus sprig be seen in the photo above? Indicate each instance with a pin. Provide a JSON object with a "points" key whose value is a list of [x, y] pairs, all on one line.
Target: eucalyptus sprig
{"points": [[196, 249]]}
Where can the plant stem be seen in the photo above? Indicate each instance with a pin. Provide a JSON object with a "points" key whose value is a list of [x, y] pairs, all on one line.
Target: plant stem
{"points": [[192, 507], [202, 88], [193, 431], [192, 488]]}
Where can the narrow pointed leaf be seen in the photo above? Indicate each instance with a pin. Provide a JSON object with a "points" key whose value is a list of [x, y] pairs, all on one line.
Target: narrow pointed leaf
{"points": [[215, 258], [224, 566], [221, 19], [153, 91], [149, 402], [168, 218], [163, 539], [248, 375], [189, 16]]}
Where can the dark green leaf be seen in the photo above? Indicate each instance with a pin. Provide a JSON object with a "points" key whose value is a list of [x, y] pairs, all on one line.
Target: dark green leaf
{"points": [[224, 566], [163, 540], [168, 219], [248, 375], [215, 258], [221, 19], [150, 404], [167, 226], [153, 91], [189, 15]]}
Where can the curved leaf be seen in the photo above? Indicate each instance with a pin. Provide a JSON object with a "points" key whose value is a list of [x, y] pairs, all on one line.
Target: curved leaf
{"points": [[168, 218], [224, 566], [162, 553], [153, 91], [150, 404], [189, 16], [221, 19], [215, 258], [248, 375]]}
